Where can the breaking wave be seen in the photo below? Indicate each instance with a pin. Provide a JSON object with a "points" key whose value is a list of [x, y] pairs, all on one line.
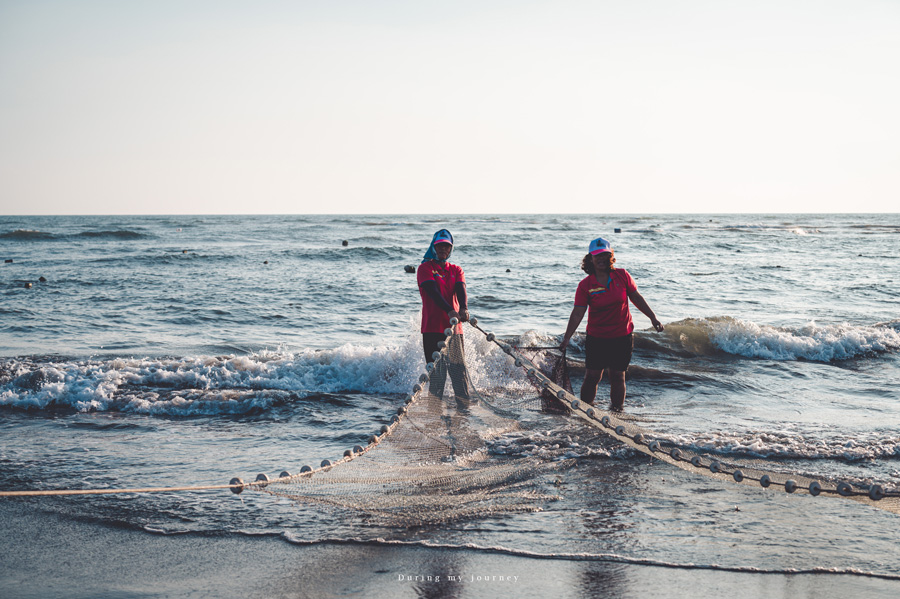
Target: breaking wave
{"points": [[206, 385], [707, 336]]}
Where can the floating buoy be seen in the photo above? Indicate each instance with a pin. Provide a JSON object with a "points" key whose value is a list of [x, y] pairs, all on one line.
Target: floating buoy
{"points": [[435, 356], [423, 378], [345, 243], [284, 474], [325, 463], [590, 412], [401, 410], [765, 480], [696, 462], [507, 270], [348, 453], [8, 261], [441, 344], [575, 403], [790, 486], [262, 478], [638, 437], [738, 476], [384, 429], [561, 394], [305, 468], [265, 261], [617, 230], [409, 268], [454, 321], [184, 251], [42, 279], [876, 493], [653, 445], [605, 421], [675, 453], [473, 321], [430, 366], [814, 488], [715, 467], [620, 430], [237, 485], [448, 331], [28, 285], [490, 337], [357, 449], [844, 489]]}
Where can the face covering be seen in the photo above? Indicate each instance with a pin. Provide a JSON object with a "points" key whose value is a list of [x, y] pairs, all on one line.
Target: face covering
{"points": [[442, 235]]}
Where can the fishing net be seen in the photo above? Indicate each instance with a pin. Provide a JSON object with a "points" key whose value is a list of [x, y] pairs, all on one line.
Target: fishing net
{"points": [[433, 462]]}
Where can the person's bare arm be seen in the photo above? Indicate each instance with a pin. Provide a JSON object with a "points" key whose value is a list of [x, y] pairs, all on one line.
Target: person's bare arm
{"points": [[641, 304], [574, 320]]}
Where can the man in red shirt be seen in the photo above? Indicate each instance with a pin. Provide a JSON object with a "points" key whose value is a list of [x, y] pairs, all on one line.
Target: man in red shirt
{"points": [[443, 289], [610, 338]]}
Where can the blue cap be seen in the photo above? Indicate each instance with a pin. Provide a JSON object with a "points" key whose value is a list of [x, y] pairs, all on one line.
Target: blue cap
{"points": [[599, 245]]}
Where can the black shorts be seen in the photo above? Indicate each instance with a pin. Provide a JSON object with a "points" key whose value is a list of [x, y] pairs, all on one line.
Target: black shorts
{"points": [[430, 343], [613, 354]]}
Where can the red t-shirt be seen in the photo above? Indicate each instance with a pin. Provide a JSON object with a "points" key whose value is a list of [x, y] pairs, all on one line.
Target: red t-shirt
{"points": [[608, 314], [434, 319]]}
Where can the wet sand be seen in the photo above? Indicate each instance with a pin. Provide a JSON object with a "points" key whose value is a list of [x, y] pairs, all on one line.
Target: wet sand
{"points": [[47, 555]]}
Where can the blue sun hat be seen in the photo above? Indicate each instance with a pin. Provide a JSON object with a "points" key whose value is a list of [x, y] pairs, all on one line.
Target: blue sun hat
{"points": [[598, 246], [442, 236]]}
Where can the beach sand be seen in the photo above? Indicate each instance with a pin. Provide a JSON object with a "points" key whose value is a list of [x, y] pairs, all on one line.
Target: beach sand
{"points": [[52, 555]]}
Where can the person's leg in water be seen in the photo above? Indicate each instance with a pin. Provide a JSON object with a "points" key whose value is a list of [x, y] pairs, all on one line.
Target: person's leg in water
{"points": [[459, 377], [589, 386], [439, 375], [617, 389]]}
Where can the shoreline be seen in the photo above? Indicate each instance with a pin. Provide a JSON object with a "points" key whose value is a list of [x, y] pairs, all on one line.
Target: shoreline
{"points": [[49, 555]]}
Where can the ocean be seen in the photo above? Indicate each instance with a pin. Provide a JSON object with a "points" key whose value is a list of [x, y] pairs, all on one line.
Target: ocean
{"points": [[147, 351]]}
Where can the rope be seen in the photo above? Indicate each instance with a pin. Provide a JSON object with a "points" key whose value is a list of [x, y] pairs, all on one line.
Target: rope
{"points": [[613, 426], [116, 491], [236, 485], [607, 422]]}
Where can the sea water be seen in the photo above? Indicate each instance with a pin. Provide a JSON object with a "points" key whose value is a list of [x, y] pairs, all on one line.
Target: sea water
{"points": [[186, 350]]}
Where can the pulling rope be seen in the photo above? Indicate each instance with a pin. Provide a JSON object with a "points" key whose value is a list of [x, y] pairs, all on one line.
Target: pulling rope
{"points": [[112, 491], [236, 485], [641, 440], [608, 422]]}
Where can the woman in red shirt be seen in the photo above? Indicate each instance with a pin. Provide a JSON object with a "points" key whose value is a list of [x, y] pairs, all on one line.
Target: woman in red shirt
{"points": [[442, 287], [610, 338]]}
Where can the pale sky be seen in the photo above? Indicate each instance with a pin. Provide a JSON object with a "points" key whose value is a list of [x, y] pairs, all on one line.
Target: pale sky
{"points": [[482, 106]]}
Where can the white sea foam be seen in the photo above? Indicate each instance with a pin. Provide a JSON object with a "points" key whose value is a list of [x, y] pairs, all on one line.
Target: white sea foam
{"points": [[810, 342], [210, 385], [784, 445], [566, 442]]}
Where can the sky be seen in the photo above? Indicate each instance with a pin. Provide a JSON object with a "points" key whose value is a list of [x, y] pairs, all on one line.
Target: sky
{"points": [[463, 106]]}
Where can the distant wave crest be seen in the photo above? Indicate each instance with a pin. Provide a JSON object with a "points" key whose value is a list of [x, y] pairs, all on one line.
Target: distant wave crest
{"points": [[26, 235], [30, 235], [119, 234]]}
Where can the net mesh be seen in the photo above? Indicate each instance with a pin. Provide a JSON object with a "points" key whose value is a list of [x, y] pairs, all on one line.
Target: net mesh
{"points": [[433, 462]]}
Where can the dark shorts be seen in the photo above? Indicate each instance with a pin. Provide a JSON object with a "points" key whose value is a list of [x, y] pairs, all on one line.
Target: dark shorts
{"points": [[430, 342], [613, 354]]}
